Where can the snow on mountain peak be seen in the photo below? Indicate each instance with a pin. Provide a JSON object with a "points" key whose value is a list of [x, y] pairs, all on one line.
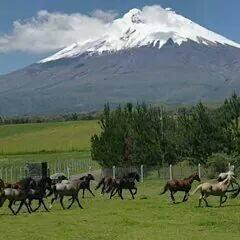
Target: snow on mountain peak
{"points": [[134, 16], [152, 25]]}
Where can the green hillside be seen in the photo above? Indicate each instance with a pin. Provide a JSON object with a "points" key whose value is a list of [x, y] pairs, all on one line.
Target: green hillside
{"points": [[46, 137]]}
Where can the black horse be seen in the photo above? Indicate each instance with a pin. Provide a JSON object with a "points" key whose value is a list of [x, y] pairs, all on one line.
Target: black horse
{"points": [[126, 182], [38, 192], [85, 184]]}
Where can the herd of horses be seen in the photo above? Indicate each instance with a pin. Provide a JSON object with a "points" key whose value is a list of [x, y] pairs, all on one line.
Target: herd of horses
{"points": [[28, 189]]}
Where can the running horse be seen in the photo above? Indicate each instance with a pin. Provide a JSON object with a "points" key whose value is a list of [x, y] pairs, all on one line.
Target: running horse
{"points": [[214, 189], [184, 185]]}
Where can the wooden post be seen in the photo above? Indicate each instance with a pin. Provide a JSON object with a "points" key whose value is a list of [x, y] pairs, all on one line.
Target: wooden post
{"points": [[142, 173], [11, 174], [68, 172], [6, 174], [199, 170], [170, 172], [114, 172]]}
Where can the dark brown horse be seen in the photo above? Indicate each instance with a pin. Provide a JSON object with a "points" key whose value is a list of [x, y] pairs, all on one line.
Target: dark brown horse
{"points": [[106, 184], [184, 185], [126, 182], [85, 184]]}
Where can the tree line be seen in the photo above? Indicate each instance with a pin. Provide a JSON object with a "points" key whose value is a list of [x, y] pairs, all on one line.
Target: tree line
{"points": [[6, 120], [150, 135]]}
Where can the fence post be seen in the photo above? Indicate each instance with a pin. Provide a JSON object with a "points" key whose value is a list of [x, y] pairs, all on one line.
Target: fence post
{"points": [[170, 172], [68, 172], [11, 174], [142, 173], [6, 174], [114, 172], [229, 165], [199, 170]]}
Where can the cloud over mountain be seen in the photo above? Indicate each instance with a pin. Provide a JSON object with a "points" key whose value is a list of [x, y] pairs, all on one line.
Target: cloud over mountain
{"points": [[52, 31]]}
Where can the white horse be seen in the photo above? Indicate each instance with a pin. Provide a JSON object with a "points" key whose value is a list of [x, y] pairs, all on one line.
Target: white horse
{"points": [[224, 175]]}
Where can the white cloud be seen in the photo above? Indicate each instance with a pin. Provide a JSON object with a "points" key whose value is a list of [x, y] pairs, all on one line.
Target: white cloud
{"points": [[106, 16], [52, 31]]}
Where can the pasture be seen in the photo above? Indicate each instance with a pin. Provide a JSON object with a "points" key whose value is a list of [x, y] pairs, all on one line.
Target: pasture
{"points": [[50, 142], [149, 216], [40, 138]]}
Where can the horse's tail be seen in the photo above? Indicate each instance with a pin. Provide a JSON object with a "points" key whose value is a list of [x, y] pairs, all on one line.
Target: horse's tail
{"points": [[165, 189], [197, 189], [100, 183], [2, 198]]}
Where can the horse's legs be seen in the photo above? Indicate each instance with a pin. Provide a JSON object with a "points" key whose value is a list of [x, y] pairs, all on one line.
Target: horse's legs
{"points": [[26, 204], [135, 190], [116, 191], [200, 201], [2, 201], [30, 204], [130, 190], [103, 189], [10, 206], [43, 203], [79, 204], [83, 191], [53, 199], [225, 199], [20, 206], [112, 192], [120, 193], [61, 201], [205, 200], [73, 199], [50, 192], [172, 197], [91, 192], [39, 204], [185, 198]]}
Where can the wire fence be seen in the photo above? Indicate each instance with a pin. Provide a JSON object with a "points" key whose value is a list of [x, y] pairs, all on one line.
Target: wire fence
{"points": [[166, 172], [11, 173]]}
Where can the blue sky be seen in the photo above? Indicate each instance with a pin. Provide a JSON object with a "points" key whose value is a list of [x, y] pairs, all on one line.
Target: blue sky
{"points": [[220, 16]]}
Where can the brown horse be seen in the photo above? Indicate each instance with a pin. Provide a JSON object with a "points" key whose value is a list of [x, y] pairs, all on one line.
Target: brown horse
{"points": [[184, 185]]}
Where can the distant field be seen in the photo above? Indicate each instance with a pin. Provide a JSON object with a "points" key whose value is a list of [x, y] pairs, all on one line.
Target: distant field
{"points": [[46, 137]]}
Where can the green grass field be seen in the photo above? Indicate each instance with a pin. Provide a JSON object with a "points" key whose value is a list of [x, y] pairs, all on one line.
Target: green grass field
{"points": [[149, 217], [50, 142], [46, 137]]}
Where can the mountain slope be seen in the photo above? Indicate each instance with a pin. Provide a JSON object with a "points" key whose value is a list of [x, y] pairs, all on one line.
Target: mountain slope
{"points": [[204, 67]]}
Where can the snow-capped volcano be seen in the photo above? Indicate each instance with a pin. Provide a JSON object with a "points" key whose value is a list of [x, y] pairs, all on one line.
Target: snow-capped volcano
{"points": [[151, 55], [142, 28]]}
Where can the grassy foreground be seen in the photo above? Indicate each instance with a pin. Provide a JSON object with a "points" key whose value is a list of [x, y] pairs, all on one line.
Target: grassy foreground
{"points": [[150, 216]]}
